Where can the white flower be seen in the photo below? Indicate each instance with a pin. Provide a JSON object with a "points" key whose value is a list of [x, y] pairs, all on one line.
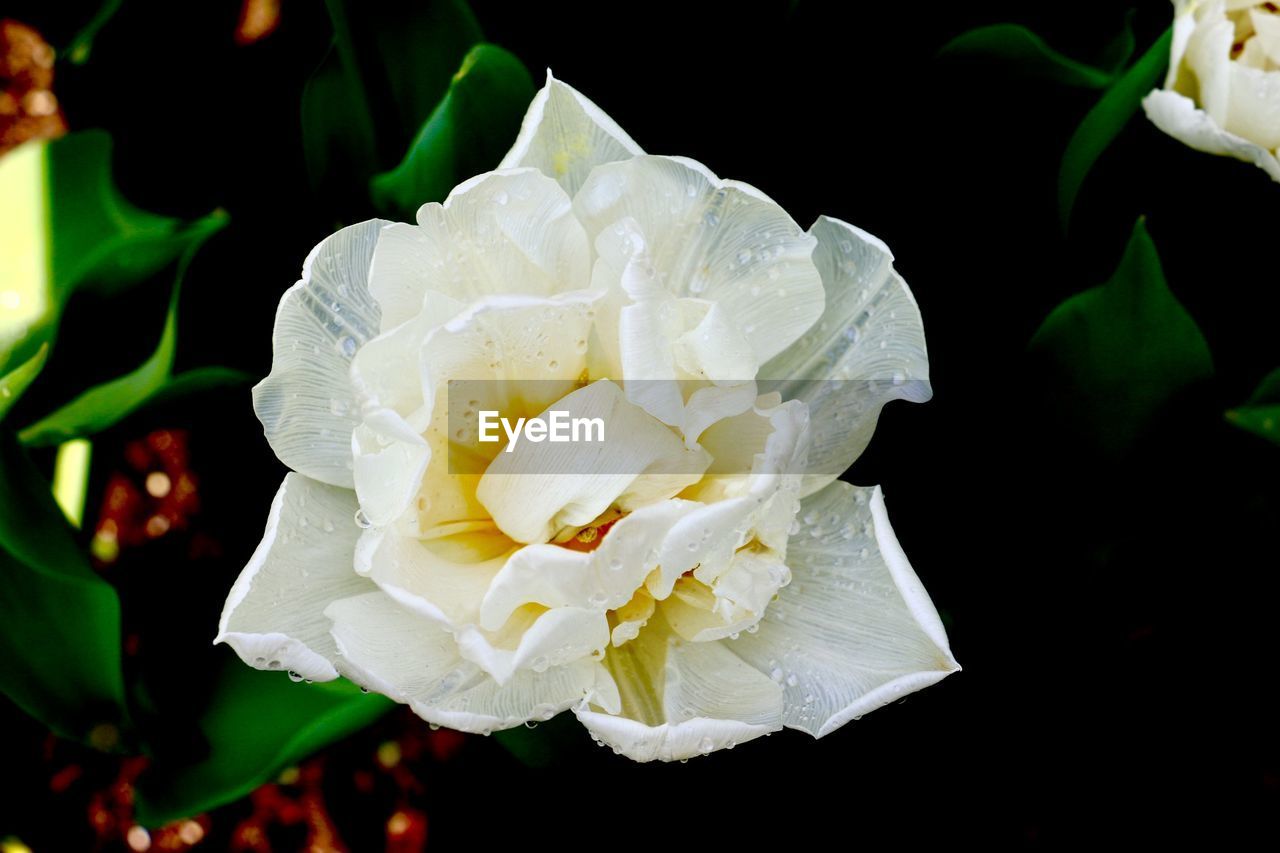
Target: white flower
{"points": [[703, 580], [1222, 94]]}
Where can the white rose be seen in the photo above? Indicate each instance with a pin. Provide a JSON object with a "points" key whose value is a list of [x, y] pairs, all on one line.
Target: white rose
{"points": [[1222, 94], [698, 595]]}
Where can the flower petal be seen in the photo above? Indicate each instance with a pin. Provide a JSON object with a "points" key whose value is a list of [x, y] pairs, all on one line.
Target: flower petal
{"points": [[710, 239], [565, 136], [274, 615], [1178, 116], [306, 403], [534, 491], [388, 649], [855, 628], [867, 349], [681, 699], [509, 232]]}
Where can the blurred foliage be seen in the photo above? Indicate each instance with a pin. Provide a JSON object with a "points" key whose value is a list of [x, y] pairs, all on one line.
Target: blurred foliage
{"points": [[1017, 48], [1105, 121], [467, 133], [59, 620], [1120, 351], [245, 746], [1260, 414]]}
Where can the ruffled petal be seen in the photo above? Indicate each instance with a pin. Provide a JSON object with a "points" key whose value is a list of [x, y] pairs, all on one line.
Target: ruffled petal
{"points": [[565, 136], [1178, 116], [306, 404], [388, 649], [867, 349], [534, 491], [709, 239], [274, 615], [855, 629], [681, 699]]}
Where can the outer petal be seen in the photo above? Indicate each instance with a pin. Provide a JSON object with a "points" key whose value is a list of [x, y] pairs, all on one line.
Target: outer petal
{"points": [[274, 615], [565, 136], [867, 349], [682, 699], [508, 233], [306, 404], [388, 649], [855, 629], [722, 241], [1178, 116]]}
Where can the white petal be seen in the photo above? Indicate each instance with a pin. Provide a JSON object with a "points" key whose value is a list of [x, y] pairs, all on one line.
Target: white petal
{"points": [[536, 490], [1178, 116], [682, 699], [507, 232], [555, 576], [306, 404], [1255, 105], [390, 650], [565, 136], [867, 349], [855, 629], [1208, 56], [274, 615], [721, 241], [551, 639]]}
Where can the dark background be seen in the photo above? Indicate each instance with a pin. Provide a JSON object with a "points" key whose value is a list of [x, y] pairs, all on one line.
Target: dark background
{"points": [[1114, 616]]}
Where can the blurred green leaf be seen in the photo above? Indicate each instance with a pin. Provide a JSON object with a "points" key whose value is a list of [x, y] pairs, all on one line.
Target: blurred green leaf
{"points": [[389, 67], [1260, 414], [13, 383], [78, 50], [1027, 54], [99, 239], [1117, 353], [104, 405], [59, 620], [1105, 121], [467, 133], [256, 724]]}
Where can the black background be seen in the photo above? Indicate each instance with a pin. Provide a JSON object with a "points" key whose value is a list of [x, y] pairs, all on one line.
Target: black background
{"points": [[1114, 617]]}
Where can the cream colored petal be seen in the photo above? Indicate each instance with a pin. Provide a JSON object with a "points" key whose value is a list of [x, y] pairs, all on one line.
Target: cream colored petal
{"points": [[539, 489], [1208, 57], [565, 136], [681, 699], [274, 615], [710, 239], [390, 650], [1267, 29], [867, 349], [306, 403], [855, 629], [555, 576], [390, 458], [509, 232], [1178, 116], [551, 639], [1255, 105]]}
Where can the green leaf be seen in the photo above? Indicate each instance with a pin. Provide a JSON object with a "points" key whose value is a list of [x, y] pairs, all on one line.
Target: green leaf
{"points": [[105, 405], [78, 50], [1260, 414], [389, 67], [552, 740], [467, 133], [1117, 353], [1105, 121], [13, 383], [256, 724], [99, 239], [1027, 53], [59, 620]]}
